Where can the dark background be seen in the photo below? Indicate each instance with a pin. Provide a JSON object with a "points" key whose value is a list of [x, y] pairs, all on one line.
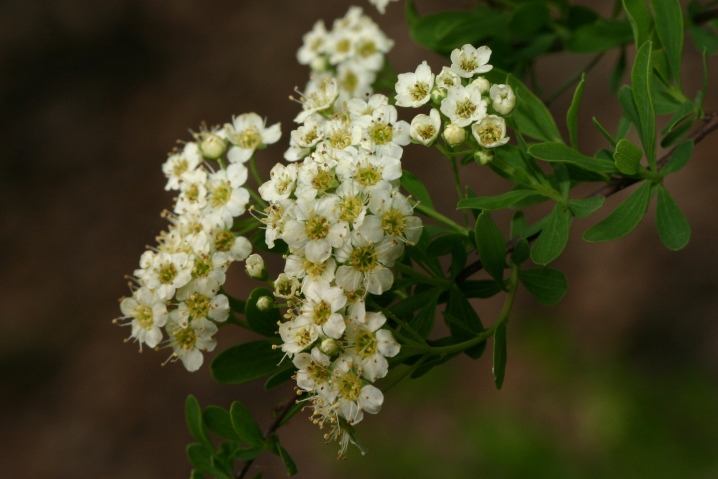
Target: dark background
{"points": [[620, 380]]}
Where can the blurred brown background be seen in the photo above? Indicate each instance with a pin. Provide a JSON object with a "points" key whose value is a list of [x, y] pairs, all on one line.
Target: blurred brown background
{"points": [[620, 380]]}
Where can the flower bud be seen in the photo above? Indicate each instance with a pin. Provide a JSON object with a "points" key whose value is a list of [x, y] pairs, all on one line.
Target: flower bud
{"points": [[454, 134], [265, 303], [254, 266], [483, 84], [330, 347], [503, 99], [438, 94], [212, 146], [285, 286], [484, 157]]}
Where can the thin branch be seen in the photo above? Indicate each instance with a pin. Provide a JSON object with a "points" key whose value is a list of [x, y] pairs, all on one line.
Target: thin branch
{"points": [[283, 410], [618, 184]]}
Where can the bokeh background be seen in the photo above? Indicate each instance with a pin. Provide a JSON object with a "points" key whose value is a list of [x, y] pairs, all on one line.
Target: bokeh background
{"points": [[620, 380]]}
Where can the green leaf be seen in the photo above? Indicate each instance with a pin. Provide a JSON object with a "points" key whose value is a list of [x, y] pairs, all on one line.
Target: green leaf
{"points": [[463, 321], [565, 154], [585, 206], [528, 20], [553, 237], [679, 158], [480, 288], [627, 157], [600, 36], [493, 203], [604, 132], [218, 421], [201, 459], [669, 26], [500, 355], [546, 285], [416, 188], [423, 322], [703, 39], [640, 19], [491, 245], [193, 417], [287, 460], [572, 113], [625, 97], [623, 219], [262, 322], [677, 134], [672, 225], [683, 112], [641, 77], [521, 252], [245, 426], [444, 31], [280, 377], [246, 362]]}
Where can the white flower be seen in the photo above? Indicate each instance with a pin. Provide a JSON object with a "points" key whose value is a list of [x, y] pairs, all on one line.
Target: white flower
{"points": [[464, 105], [193, 193], [355, 79], [226, 199], [198, 306], [503, 99], [148, 314], [314, 44], [298, 334], [414, 89], [281, 183], [166, 273], [380, 5], [490, 132], [468, 61], [248, 133], [447, 78], [424, 129], [179, 165], [315, 227], [384, 134], [313, 373], [354, 395], [318, 96], [236, 247], [188, 342], [370, 345], [321, 305], [396, 215], [305, 137]]}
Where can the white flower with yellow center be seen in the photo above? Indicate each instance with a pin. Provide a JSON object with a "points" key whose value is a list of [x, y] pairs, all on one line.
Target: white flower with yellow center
{"points": [[308, 271], [359, 108], [368, 344], [225, 241], [322, 305], [414, 89], [424, 129], [396, 214], [315, 177], [280, 184], [354, 394], [464, 105], [383, 133], [314, 228], [367, 259], [226, 198], [298, 334], [193, 193], [148, 314], [340, 134], [352, 202], [188, 342], [468, 61], [490, 132], [180, 164], [319, 96], [447, 78], [305, 137], [314, 373], [197, 305], [166, 273], [314, 44], [370, 171], [247, 133]]}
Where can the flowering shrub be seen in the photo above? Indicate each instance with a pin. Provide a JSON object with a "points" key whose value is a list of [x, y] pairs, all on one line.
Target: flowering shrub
{"points": [[364, 277]]}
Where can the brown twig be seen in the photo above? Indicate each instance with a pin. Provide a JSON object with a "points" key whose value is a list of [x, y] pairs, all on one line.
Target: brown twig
{"points": [[283, 410]]}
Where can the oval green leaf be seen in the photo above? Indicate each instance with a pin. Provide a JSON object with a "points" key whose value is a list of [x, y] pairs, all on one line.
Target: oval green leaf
{"points": [[623, 219]]}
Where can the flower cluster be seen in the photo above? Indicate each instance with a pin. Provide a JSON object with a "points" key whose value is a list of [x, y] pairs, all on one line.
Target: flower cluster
{"points": [[177, 286], [465, 100], [337, 207], [352, 53]]}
